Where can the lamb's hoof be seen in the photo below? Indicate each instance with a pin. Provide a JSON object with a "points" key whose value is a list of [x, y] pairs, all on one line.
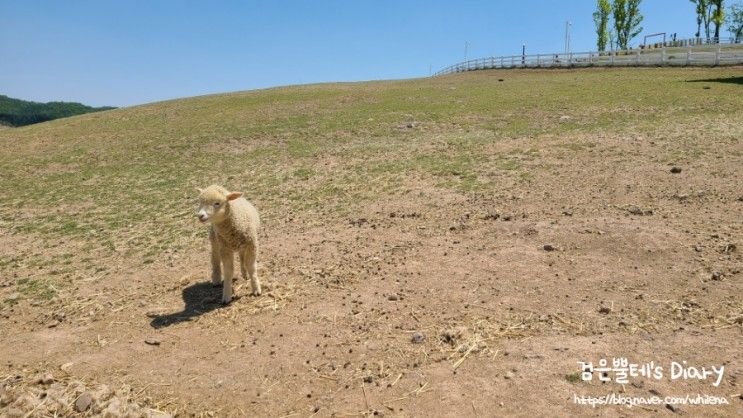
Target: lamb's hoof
{"points": [[226, 301], [256, 292]]}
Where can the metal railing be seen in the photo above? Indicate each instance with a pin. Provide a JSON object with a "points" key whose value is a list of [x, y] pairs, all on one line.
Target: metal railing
{"points": [[680, 52]]}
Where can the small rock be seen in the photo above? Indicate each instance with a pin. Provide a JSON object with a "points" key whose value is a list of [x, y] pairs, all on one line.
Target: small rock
{"points": [[450, 336], [532, 356], [52, 324], [605, 310], [672, 408], [152, 341], [639, 211], [675, 170], [393, 297], [549, 247], [509, 375], [567, 213], [13, 297], [417, 338], [698, 248], [83, 402], [45, 379], [716, 275]]}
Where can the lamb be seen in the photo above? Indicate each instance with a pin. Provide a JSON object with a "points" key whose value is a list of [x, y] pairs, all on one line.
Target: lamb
{"points": [[234, 227]]}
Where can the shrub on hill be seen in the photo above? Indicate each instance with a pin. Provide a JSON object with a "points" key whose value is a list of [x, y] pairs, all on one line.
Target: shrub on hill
{"points": [[16, 112]]}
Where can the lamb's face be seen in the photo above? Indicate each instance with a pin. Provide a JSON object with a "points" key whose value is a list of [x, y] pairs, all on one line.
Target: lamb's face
{"points": [[213, 203]]}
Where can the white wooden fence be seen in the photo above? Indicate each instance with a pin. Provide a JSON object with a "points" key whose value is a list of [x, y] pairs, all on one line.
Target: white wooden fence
{"points": [[680, 53]]}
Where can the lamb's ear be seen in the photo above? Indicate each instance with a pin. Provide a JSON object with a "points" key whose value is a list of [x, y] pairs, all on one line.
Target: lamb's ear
{"points": [[234, 195]]}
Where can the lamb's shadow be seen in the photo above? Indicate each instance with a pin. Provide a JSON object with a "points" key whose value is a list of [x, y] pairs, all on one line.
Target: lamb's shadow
{"points": [[199, 298], [729, 80]]}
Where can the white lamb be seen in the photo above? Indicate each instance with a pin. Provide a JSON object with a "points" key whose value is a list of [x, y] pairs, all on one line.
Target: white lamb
{"points": [[234, 227]]}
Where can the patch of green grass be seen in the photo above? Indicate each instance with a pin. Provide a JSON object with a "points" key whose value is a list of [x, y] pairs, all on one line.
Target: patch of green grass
{"points": [[577, 146], [303, 173], [36, 289], [573, 377], [509, 165]]}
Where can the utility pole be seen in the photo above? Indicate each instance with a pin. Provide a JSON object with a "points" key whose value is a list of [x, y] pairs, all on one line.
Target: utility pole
{"points": [[568, 24], [523, 53]]}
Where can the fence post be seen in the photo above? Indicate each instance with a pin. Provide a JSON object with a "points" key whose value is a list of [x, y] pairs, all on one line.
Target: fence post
{"points": [[688, 56], [638, 57], [663, 56], [612, 54], [717, 55]]}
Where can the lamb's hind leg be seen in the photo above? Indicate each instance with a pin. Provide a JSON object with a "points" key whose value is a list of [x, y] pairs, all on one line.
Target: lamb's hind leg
{"points": [[252, 266], [242, 264]]}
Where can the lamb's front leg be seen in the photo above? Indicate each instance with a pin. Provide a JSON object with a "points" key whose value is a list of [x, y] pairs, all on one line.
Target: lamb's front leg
{"points": [[227, 260], [216, 258]]}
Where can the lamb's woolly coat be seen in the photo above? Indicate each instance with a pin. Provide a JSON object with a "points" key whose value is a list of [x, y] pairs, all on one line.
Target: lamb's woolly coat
{"points": [[234, 228], [239, 229]]}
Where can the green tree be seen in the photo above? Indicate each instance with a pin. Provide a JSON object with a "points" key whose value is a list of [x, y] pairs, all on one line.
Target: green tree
{"points": [[16, 112], [627, 19], [705, 13], [718, 16], [702, 9], [735, 21], [601, 19]]}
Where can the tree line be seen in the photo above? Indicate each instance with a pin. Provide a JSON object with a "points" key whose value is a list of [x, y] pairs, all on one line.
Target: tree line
{"points": [[618, 21], [16, 112]]}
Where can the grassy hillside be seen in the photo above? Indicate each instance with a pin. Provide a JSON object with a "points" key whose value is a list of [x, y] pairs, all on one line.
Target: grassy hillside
{"points": [[16, 112], [388, 207], [108, 179]]}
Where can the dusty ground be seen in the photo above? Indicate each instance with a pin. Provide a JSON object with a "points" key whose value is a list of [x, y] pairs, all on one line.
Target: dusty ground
{"points": [[427, 300]]}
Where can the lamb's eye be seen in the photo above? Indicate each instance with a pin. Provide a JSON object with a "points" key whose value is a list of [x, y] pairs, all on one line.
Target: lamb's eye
{"points": [[216, 205]]}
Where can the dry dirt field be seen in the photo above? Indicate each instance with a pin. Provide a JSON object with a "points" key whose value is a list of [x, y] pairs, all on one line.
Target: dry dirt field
{"points": [[446, 247]]}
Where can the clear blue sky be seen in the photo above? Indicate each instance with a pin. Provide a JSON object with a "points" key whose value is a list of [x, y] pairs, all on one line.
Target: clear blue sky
{"points": [[137, 51]]}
